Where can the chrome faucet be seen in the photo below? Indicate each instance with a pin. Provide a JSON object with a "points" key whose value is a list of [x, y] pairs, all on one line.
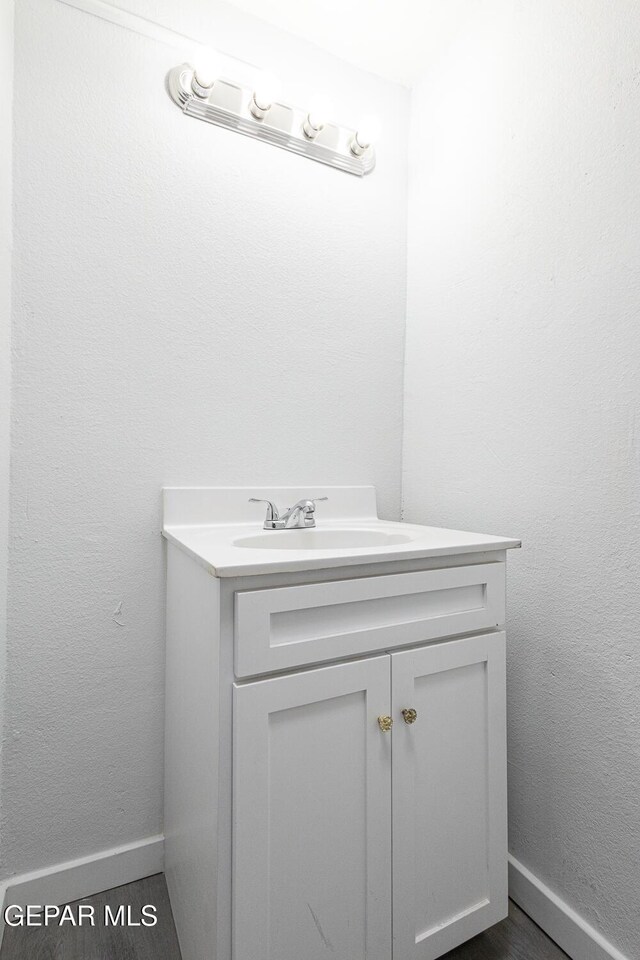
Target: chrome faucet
{"points": [[298, 517]]}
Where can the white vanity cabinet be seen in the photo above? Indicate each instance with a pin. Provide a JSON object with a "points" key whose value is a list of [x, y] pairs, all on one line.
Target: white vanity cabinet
{"points": [[320, 790], [335, 755]]}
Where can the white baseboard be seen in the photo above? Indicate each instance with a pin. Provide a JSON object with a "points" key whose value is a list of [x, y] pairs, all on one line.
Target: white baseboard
{"points": [[84, 877], [558, 920]]}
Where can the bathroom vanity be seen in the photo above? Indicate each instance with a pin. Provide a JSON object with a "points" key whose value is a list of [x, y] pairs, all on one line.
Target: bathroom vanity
{"points": [[335, 730]]}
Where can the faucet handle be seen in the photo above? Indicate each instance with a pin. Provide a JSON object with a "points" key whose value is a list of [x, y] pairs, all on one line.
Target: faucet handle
{"points": [[272, 510]]}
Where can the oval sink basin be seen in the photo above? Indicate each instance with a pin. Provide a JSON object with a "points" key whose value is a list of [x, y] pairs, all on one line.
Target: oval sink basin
{"points": [[320, 539]]}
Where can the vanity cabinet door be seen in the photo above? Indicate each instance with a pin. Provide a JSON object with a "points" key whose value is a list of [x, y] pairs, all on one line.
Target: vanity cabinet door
{"points": [[449, 794], [312, 815]]}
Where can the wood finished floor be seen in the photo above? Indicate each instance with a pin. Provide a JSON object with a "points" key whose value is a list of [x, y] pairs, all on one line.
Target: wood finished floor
{"points": [[516, 938], [100, 942]]}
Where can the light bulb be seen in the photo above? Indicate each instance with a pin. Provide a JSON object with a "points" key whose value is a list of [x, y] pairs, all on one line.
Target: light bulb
{"points": [[205, 73], [319, 111], [366, 135], [267, 90]]}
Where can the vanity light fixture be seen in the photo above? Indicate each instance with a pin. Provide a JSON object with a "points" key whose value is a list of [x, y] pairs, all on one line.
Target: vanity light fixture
{"points": [[257, 111]]}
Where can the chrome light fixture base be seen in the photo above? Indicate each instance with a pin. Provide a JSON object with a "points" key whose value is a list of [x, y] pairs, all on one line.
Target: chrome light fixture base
{"points": [[229, 105]]}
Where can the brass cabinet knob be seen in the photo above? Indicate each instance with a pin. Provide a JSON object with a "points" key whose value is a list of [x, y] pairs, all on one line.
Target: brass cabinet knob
{"points": [[410, 715], [385, 724]]}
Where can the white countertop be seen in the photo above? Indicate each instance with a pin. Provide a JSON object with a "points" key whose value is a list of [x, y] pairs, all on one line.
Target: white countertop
{"points": [[206, 522]]}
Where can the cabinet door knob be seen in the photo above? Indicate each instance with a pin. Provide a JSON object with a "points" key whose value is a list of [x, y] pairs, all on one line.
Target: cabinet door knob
{"points": [[385, 724], [410, 715]]}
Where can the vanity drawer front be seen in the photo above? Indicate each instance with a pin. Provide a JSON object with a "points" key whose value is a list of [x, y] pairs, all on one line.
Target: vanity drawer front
{"points": [[284, 627]]}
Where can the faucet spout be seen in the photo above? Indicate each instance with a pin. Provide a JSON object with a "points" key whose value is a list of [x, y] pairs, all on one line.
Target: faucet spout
{"points": [[297, 517]]}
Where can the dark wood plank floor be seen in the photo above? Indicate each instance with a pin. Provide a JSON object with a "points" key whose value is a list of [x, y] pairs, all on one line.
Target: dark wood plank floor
{"points": [[516, 938], [101, 942]]}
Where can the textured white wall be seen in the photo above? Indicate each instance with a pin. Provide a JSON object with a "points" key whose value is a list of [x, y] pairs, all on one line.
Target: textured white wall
{"points": [[523, 404], [191, 307], [6, 164]]}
